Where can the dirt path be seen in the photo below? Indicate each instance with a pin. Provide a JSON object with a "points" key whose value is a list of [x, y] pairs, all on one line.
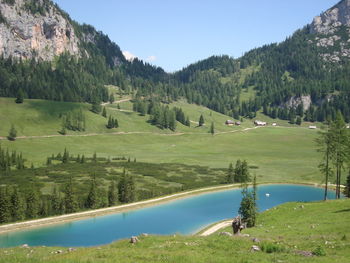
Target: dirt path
{"points": [[109, 210], [125, 133], [116, 102], [216, 227]]}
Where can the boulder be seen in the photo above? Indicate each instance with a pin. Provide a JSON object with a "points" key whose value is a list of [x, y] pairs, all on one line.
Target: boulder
{"points": [[255, 248]]}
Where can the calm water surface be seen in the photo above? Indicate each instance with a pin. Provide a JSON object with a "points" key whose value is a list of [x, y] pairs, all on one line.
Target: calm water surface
{"points": [[183, 216]]}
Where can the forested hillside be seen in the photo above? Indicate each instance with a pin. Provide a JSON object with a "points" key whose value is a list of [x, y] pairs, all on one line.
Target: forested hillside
{"points": [[304, 78]]}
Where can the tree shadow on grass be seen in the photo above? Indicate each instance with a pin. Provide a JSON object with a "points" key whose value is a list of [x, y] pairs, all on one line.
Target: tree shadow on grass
{"points": [[343, 211]]}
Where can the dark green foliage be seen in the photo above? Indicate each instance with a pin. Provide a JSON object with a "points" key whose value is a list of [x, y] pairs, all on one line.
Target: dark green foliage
{"points": [[269, 248], [37, 7], [32, 203], [212, 128], [92, 201], [104, 112], [10, 160], [241, 172], [112, 123], [20, 97], [126, 188], [12, 133], [112, 194], [248, 207], [96, 107], [17, 206], [73, 121], [70, 202], [201, 120], [111, 99], [65, 157], [5, 206], [347, 186], [319, 251], [230, 174]]}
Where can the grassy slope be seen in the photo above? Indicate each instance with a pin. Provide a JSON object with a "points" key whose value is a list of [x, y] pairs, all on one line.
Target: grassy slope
{"points": [[282, 154], [289, 226]]}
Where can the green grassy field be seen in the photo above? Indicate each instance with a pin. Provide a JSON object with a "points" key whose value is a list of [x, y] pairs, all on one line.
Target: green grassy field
{"points": [[281, 154], [283, 232]]}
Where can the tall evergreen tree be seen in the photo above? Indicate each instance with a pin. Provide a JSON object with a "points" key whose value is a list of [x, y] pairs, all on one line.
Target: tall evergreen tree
{"points": [[70, 202], [230, 174], [212, 129], [32, 203], [12, 133], [248, 207], [92, 201], [17, 206], [5, 215], [201, 120], [112, 194], [104, 112]]}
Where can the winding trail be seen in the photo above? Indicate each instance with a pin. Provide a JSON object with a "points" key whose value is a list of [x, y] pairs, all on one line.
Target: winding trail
{"points": [[126, 133], [216, 227], [116, 102]]}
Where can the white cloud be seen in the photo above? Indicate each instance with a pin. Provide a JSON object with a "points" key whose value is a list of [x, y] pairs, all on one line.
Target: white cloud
{"points": [[151, 58], [129, 56]]}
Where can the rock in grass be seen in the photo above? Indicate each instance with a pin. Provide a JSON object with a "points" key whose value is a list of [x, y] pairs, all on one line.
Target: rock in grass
{"points": [[25, 246], [256, 240], [255, 248], [225, 234], [304, 253], [134, 240]]}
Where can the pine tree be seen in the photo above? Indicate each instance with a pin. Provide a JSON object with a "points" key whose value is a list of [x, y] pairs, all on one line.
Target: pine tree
{"points": [[20, 97], [112, 194], [5, 215], [70, 202], [17, 206], [56, 202], [94, 158], [32, 203], [248, 208], [65, 157], [212, 129], [298, 121], [12, 133], [172, 120], [116, 124], [230, 174], [92, 198], [111, 99], [104, 112], [201, 120], [188, 123], [347, 186]]}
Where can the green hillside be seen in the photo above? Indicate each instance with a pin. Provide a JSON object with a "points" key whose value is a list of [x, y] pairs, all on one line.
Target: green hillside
{"points": [[285, 233]]}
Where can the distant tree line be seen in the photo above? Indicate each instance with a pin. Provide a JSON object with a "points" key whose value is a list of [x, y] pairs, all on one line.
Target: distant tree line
{"points": [[10, 160]]}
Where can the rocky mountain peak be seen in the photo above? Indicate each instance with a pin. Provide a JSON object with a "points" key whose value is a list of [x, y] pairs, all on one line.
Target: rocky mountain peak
{"points": [[35, 28], [330, 21]]}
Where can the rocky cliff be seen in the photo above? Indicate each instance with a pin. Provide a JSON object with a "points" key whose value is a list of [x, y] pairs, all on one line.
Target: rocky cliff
{"points": [[25, 33], [331, 20], [332, 32]]}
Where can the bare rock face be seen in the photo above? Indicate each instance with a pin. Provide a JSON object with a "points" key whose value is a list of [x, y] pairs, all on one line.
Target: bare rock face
{"points": [[25, 35], [294, 102], [332, 19]]}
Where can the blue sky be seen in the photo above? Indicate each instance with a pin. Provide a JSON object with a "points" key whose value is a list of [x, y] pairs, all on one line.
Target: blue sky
{"points": [[175, 33]]}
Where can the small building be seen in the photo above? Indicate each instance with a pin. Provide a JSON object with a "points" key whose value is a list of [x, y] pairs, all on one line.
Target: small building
{"points": [[260, 123], [238, 123], [230, 123], [274, 124], [312, 127]]}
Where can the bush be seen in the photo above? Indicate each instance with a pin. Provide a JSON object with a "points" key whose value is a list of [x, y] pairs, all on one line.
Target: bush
{"points": [[272, 248], [319, 251]]}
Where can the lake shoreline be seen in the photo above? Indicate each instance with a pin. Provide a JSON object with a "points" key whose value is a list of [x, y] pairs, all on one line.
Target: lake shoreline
{"points": [[43, 222]]}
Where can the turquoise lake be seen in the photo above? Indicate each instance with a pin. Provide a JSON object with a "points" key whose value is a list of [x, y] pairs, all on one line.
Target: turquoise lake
{"points": [[183, 216]]}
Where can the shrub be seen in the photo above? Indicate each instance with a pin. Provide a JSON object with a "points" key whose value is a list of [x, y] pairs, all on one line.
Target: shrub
{"points": [[319, 251], [272, 248]]}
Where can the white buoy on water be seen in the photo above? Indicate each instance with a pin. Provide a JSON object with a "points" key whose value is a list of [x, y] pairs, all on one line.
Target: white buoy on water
{"points": [[267, 195]]}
